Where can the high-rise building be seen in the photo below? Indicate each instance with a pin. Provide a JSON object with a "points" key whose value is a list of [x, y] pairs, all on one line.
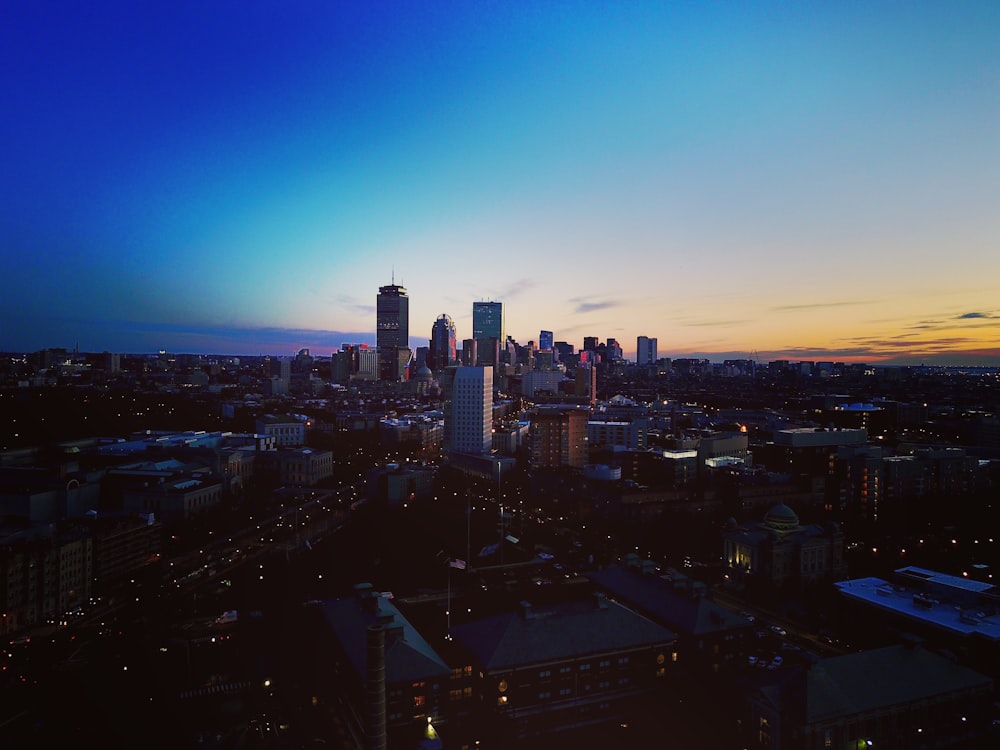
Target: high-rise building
{"points": [[590, 343], [558, 436], [469, 424], [487, 321], [545, 341], [585, 382], [444, 350], [613, 351], [470, 352], [392, 330], [392, 324], [645, 350]]}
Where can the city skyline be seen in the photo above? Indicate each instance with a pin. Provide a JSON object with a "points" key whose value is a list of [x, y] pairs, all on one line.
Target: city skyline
{"points": [[812, 183]]}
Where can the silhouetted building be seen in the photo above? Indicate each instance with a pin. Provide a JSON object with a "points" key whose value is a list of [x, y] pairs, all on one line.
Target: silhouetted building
{"points": [[710, 638], [443, 346], [545, 341], [554, 667], [899, 697], [558, 436], [415, 677], [392, 329], [645, 350], [780, 552]]}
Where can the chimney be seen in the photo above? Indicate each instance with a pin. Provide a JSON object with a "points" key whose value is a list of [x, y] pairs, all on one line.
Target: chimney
{"points": [[375, 711]]}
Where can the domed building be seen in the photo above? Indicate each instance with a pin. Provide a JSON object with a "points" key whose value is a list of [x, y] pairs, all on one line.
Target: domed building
{"points": [[779, 552]]}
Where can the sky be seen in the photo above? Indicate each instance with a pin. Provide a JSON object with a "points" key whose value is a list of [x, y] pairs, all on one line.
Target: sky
{"points": [[804, 180]]}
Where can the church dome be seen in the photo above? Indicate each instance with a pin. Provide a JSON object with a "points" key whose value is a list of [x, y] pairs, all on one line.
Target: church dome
{"points": [[781, 518]]}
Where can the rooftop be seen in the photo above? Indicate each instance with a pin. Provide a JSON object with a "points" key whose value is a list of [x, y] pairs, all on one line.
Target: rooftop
{"points": [[863, 682], [912, 603], [556, 632]]}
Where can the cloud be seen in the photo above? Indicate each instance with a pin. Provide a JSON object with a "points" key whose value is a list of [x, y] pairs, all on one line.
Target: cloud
{"points": [[517, 288], [820, 305], [975, 316], [586, 307], [701, 323]]}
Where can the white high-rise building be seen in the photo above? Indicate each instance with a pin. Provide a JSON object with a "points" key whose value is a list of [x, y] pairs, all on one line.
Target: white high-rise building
{"points": [[471, 415]]}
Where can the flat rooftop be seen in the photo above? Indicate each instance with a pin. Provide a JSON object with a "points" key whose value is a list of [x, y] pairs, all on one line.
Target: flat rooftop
{"points": [[912, 603]]}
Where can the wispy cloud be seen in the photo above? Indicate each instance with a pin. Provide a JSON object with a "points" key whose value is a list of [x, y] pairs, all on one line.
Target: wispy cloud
{"points": [[707, 323], [820, 305], [977, 316], [587, 307], [517, 288]]}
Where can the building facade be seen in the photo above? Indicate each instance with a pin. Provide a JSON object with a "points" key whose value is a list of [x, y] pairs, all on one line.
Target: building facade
{"points": [[558, 436], [469, 423], [443, 343], [780, 552], [488, 321], [392, 329], [645, 350]]}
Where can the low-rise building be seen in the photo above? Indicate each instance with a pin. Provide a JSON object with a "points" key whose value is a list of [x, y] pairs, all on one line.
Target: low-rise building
{"points": [[564, 665], [710, 638], [902, 696]]}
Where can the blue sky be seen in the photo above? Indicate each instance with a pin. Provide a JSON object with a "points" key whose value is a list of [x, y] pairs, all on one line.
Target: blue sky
{"points": [[808, 180]]}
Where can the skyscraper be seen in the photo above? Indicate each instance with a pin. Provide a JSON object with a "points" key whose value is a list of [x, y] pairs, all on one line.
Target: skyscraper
{"points": [[645, 350], [444, 349], [392, 331], [469, 423], [545, 340], [487, 321], [392, 323]]}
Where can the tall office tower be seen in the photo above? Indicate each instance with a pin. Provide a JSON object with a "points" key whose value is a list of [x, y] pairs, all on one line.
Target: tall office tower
{"points": [[487, 321], [545, 341], [487, 351], [565, 350], [469, 423], [590, 343], [470, 351], [645, 351], [613, 350], [392, 323], [585, 382], [392, 329], [444, 350]]}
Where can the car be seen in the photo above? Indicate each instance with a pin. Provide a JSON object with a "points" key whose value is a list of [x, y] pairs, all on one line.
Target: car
{"points": [[778, 630], [776, 661], [752, 660], [747, 616]]}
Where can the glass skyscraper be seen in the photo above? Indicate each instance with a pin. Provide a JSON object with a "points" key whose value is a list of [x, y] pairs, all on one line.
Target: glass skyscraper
{"points": [[487, 321]]}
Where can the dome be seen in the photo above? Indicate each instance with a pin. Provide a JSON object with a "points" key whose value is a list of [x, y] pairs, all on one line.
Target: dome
{"points": [[424, 373], [781, 518]]}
